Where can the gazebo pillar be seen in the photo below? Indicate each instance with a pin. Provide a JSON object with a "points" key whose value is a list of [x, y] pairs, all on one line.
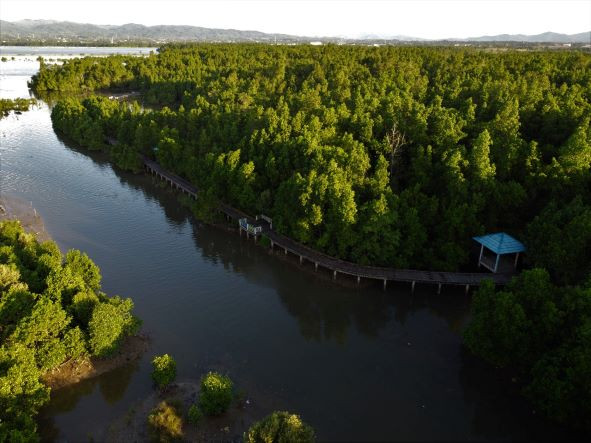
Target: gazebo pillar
{"points": [[516, 259], [497, 262]]}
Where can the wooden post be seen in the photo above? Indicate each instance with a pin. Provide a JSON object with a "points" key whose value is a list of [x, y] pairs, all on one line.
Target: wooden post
{"points": [[301, 259], [385, 284], [334, 275], [271, 244], [316, 266], [516, 259], [497, 263], [480, 258], [467, 289], [412, 287], [439, 289], [285, 249], [358, 280]]}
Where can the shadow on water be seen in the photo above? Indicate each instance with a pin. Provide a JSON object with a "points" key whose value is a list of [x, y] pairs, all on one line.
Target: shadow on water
{"points": [[501, 412], [111, 387]]}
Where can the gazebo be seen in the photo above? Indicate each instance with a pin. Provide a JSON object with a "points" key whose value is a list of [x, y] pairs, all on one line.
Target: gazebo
{"points": [[499, 244]]}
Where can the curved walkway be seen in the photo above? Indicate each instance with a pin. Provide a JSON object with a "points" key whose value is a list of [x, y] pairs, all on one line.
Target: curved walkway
{"points": [[336, 265]]}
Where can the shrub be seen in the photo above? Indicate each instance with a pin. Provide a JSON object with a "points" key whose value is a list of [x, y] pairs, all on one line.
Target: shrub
{"points": [[164, 371], [280, 427], [82, 265], [194, 415], [110, 323], [165, 423], [106, 330], [216, 393], [50, 354], [75, 343]]}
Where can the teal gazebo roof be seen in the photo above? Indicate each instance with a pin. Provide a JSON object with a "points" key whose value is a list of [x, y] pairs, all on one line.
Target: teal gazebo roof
{"points": [[501, 243]]}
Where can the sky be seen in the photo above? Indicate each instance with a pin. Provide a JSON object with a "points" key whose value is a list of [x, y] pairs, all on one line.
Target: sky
{"points": [[431, 19]]}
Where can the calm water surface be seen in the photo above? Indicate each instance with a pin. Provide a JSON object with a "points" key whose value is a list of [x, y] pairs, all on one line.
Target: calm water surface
{"points": [[356, 363]]}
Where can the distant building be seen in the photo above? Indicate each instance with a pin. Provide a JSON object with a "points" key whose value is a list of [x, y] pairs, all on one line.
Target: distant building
{"points": [[316, 43]]}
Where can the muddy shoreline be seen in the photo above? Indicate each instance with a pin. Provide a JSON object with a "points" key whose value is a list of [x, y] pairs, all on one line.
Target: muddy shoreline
{"points": [[74, 371]]}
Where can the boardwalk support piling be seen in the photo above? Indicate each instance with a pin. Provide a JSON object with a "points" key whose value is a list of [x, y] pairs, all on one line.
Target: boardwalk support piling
{"points": [[331, 263]]}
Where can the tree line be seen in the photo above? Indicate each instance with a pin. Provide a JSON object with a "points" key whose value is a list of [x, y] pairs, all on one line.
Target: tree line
{"points": [[306, 135]]}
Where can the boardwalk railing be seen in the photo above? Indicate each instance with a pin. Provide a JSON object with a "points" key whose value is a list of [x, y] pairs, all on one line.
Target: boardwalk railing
{"points": [[335, 265]]}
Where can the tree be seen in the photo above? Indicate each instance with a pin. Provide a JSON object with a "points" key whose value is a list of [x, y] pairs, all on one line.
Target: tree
{"points": [[83, 266], [164, 370], [280, 427], [395, 140], [216, 393], [480, 164], [109, 324], [165, 423], [559, 239]]}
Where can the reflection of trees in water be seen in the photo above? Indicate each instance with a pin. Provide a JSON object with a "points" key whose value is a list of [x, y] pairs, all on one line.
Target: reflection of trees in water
{"points": [[112, 387], [500, 412], [324, 311], [152, 188], [328, 315]]}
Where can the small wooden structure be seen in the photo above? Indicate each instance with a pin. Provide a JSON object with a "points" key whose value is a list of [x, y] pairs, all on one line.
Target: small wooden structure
{"points": [[500, 244], [251, 229]]}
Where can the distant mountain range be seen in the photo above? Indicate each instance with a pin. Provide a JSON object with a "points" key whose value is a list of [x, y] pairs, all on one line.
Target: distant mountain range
{"points": [[550, 37], [50, 29], [78, 32]]}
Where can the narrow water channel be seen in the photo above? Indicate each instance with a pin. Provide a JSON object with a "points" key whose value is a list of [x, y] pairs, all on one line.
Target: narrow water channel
{"points": [[356, 363]]}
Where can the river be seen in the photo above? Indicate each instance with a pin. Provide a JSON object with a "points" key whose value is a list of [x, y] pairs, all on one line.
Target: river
{"points": [[356, 363]]}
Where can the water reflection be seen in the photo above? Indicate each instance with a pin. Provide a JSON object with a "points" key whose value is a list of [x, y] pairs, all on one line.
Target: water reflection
{"points": [[111, 387], [358, 363], [326, 313]]}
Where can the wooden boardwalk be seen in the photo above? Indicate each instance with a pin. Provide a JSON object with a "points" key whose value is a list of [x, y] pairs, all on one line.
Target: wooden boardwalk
{"points": [[337, 266]]}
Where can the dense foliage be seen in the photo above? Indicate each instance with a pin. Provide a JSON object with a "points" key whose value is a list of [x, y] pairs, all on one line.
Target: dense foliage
{"points": [[164, 370], [543, 332], [51, 310], [165, 423], [386, 156], [215, 395], [280, 427]]}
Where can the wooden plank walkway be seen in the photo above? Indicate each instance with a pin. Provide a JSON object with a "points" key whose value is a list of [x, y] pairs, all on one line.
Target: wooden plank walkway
{"points": [[336, 265], [174, 180]]}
